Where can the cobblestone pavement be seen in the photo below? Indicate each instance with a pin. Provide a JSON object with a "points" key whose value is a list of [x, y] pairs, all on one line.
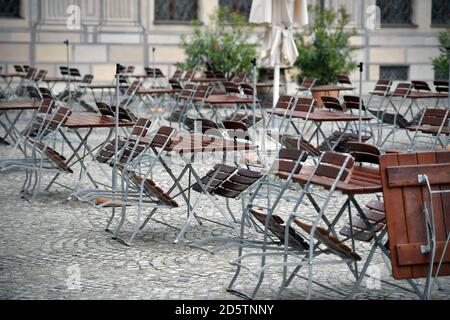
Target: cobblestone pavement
{"points": [[47, 244]]}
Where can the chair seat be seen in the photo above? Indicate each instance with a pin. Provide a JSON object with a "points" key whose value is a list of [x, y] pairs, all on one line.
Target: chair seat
{"points": [[331, 242], [278, 228]]}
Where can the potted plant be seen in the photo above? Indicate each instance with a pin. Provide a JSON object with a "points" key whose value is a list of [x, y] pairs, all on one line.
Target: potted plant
{"points": [[324, 48], [440, 63], [223, 44]]}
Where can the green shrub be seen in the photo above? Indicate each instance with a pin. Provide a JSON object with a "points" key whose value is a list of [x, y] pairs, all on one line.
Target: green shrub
{"points": [[440, 63], [223, 42], [324, 49]]}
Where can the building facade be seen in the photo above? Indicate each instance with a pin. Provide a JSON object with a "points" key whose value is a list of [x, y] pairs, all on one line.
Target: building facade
{"points": [[397, 38]]}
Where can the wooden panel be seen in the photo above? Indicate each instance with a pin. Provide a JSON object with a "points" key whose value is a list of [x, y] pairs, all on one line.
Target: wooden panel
{"points": [[395, 219], [407, 175], [410, 254], [404, 213]]}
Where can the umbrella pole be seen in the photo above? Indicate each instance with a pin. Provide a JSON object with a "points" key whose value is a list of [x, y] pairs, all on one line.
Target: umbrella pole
{"points": [[361, 66], [276, 84], [254, 92]]}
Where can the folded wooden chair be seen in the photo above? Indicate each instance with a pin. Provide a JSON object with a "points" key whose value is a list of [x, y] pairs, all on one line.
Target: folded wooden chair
{"points": [[435, 126], [306, 86], [39, 156]]}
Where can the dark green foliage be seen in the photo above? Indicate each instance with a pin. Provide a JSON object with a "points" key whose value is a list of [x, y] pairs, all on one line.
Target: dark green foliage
{"points": [[324, 49], [441, 63], [223, 42]]}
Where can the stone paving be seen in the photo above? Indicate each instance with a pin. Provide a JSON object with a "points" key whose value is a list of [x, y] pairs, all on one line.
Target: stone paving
{"points": [[47, 244]]}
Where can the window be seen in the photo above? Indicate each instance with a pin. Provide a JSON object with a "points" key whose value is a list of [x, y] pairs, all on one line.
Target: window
{"points": [[395, 12], [440, 12], [394, 73], [9, 8], [238, 6], [175, 10]]}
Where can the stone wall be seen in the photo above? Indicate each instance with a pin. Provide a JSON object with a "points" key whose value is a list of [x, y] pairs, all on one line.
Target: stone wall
{"points": [[124, 31]]}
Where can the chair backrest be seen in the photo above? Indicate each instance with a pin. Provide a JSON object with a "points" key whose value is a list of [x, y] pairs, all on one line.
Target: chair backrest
{"points": [[187, 92], [40, 75], [352, 103], [30, 74], [308, 82], [130, 69], [141, 127], [154, 72], [163, 137], [177, 75], [382, 87], [405, 195], [289, 160], [304, 104], [240, 77], [331, 103], [74, 72], [18, 68], [26, 67], [231, 87], [202, 91], [331, 164], [135, 85], [121, 68], [344, 79], [63, 70], [189, 75], [34, 93], [87, 79], [403, 89], [175, 84], [46, 93], [284, 102], [363, 152], [441, 86], [435, 117], [247, 89], [52, 123], [421, 85]]}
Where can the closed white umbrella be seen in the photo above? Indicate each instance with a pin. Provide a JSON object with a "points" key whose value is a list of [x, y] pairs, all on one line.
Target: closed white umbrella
{"points": [[280, 17]]}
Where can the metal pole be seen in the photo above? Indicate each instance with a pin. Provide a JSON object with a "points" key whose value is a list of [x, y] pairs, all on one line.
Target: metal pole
{"points": [[254, 91], [66, 42], [116, 133], [448, 92], [153, 63], [361, 67]]}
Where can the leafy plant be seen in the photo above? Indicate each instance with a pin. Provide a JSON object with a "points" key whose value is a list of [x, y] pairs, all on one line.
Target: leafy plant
{"points": [[440, 63], [324, 49], [223, 43]]}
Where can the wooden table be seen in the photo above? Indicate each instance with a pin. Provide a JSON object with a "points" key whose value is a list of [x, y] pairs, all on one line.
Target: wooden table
{"points": [[363, 180], [10, 124], [208, 80], [403, 199], [89, 121], [318, 117], [18, 105], [157, 91]]}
